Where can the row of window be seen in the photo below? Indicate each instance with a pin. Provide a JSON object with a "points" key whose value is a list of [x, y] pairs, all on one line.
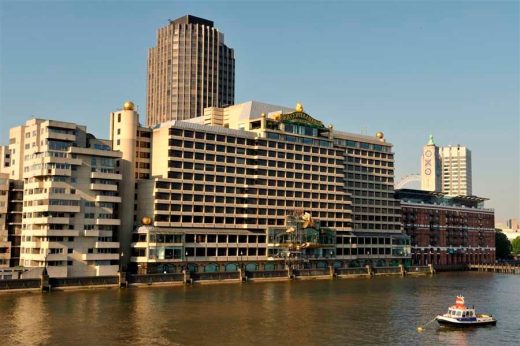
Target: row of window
{"points": [[190, 252], [362, 251], [296, 167], [372, 154], [247, 221], [396, 219], [231, 200], [376, 226], [232, 149], [251, 210]]}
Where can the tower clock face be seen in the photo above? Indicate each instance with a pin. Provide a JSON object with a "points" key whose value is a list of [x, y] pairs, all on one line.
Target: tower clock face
{"points": [[428, 153]]}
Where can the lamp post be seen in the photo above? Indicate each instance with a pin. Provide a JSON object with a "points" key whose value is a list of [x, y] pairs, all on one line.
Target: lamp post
{"points": [[186, 261], [121, 262], [241, 261], [45, 263]]}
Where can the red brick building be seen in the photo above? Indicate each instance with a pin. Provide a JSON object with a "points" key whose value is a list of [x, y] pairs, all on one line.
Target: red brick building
{"points": [[447, 230]]}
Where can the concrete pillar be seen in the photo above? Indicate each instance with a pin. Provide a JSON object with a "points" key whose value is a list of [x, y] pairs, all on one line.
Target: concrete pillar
{"points": [[44, 281], [263, 121], [369, 270], [122, 279]]}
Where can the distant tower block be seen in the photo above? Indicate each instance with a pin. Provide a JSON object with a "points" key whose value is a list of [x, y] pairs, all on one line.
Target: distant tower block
{"points": [[189, 69], [431, 167]]}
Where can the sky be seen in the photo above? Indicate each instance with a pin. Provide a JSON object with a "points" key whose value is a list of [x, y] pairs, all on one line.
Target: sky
{"points": [[407, 68]]}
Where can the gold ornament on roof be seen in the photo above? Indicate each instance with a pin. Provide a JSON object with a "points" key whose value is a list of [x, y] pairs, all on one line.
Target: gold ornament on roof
{"points": [[145, 220], [307, 220], [128, 106], [299, 107], [380, 135]]}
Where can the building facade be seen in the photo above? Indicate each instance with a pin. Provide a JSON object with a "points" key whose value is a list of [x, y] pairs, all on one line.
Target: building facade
{"points": [[447, 230], [62, 197], [134, 142], [431, 170], [5, 244], [456, 170], [224, 187], [191, 68]]}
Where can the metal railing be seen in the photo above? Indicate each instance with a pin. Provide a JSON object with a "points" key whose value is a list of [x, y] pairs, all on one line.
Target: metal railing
{"points": [[84, 281], [311, 272], [267, 274], [352, 271], [19, 284], [151, 278], [215, 276]]}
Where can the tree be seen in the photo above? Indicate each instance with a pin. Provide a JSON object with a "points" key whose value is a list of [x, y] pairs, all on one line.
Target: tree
{"points": [[502, 244], [516, 245]]}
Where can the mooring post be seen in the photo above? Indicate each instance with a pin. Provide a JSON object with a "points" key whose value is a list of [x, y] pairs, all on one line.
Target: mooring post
{"points": [[44, 281]]}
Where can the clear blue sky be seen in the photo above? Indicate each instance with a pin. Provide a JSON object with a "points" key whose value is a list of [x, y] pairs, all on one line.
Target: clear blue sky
{"points": [[406, 68]]}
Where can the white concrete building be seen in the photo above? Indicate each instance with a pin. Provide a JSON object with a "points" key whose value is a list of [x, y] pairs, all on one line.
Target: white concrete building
{"points": [[446, 169], [456, 170], [5, 244], [70, 190]]}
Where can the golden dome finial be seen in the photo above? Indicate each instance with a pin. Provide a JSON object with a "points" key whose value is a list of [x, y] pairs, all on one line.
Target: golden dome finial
{"points": [[145, 220], [128, 106], [299, 107], [380, 135]]}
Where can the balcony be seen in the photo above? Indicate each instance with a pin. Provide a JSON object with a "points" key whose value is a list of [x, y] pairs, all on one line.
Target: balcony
{"points": [[69, 160], [109, 176], [57, 208], [108, 222], [32, 257], [107, 245], [100, 256], [95, 152], [91, 233], [57, 256], [111, 199], [61, 136], [5, 255], [43, 172], [103, 187], [50, 220], [52, 232], [44, 257]]}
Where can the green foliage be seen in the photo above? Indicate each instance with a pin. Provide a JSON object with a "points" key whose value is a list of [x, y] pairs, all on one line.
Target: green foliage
{"points": [[503, 245], [516, 245]]}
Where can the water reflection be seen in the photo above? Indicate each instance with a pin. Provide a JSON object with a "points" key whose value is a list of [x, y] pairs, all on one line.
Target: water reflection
{"points": [[29, 318], [340, 312]]}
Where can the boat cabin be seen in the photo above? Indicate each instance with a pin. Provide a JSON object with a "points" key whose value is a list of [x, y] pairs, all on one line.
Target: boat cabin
{"points": [[461, 313]]}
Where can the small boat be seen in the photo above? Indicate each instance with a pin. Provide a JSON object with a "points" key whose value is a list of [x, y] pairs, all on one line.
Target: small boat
{"points": [[459, 315]]}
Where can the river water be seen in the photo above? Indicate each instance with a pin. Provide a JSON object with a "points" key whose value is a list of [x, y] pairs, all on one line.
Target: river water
{"points": [[380, 311]]}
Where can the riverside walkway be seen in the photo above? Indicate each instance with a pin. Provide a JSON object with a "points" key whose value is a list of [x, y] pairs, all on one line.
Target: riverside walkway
{"points": [[496, 268], [46, 284]]}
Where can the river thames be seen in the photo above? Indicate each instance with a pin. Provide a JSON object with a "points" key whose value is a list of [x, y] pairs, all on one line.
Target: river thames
{"points": [[336, 312]]}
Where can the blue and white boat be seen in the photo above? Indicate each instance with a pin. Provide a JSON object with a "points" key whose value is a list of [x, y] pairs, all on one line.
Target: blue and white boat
{"points": [[459, 315]]}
